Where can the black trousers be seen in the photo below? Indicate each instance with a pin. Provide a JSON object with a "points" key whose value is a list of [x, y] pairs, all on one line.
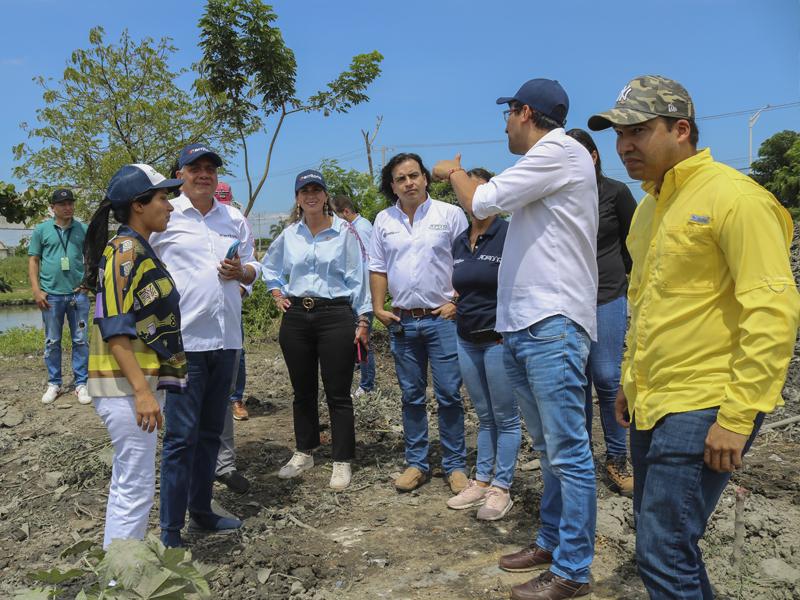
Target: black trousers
{"points": [[321, 340]]}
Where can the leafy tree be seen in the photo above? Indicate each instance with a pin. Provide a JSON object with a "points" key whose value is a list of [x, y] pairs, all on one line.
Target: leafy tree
{"points": [[24, 207], [442, 190], [114, 104], [356, 185], [778, 167], [248, 76]]}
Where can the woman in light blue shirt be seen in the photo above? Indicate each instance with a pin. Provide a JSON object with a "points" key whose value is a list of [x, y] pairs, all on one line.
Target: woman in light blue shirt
{"points": [[316, 271]]}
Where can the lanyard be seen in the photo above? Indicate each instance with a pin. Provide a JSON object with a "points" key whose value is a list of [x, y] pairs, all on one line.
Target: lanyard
{"points": [[61, 239]]}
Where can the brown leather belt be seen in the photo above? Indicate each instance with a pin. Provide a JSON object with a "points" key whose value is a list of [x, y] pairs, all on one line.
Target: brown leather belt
{"points": [[414, 313]]}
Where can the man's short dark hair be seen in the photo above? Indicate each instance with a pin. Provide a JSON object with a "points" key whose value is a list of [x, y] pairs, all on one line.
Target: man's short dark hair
{"points": [[341, 202], [386, 173], [694, 132], [480, 173], [542, 122]]}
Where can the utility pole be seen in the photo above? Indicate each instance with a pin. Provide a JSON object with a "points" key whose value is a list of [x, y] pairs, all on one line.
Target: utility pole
{"points": [[750, 122], [384, 150]]}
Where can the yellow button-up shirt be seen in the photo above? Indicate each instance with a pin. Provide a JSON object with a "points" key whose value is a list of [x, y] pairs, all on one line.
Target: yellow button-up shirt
{"points": [[714, 305]]}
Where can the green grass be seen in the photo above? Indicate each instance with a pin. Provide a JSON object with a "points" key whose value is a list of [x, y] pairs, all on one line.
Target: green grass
{"points": [[26, 340], [14, 270], [17, 297]]}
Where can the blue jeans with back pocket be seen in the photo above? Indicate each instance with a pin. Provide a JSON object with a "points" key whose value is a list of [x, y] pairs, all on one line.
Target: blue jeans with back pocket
{"points": [[546, 365]]}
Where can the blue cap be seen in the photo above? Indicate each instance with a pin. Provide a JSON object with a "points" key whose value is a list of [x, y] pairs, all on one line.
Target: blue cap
{"points": [[194, 151], [545, 96], [134, 180], [309, 176]]}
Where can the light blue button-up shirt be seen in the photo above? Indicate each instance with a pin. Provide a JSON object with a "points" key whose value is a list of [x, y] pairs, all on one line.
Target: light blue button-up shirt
{"points": [[328, 265]]}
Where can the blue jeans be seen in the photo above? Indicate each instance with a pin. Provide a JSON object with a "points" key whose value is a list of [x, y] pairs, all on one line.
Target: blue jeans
{"points": [[367, 382], [194, 422], [674, 494], [499, 433], [603, 370], [241, 378], [76, 308], [434, 339], [546, 366]]}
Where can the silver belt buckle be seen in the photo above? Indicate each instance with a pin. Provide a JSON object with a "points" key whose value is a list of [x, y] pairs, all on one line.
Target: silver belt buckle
{"points": [[308, 303]]}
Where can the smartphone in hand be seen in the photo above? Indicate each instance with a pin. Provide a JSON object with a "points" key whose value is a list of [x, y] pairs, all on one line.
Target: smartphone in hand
{"points": [[233, 250], [361, 352]]}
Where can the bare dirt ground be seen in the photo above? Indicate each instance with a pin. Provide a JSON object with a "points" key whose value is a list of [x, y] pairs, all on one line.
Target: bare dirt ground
{"points": [[303, 541]]}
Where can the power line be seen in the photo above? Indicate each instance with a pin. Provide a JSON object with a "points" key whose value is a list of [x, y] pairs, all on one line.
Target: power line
{"points": [[748, 111], [504, 140]]}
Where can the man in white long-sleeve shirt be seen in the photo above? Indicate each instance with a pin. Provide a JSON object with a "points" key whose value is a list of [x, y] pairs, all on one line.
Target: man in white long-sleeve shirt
{"points": [[547, 291], [198, 251]]}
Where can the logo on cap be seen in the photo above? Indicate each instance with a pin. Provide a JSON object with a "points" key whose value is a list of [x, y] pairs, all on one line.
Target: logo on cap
{"points": [[623, 95]]}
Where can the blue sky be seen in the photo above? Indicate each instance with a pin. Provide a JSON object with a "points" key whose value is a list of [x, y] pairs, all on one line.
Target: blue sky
{"points": [[445, 64]]}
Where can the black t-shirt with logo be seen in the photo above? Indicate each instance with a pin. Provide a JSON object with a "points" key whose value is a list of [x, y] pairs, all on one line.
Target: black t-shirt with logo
{"points": [[475, 278]]}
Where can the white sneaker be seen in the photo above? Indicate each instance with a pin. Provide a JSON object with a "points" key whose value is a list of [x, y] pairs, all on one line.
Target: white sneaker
{"points": [[340, 478], [51, 394], [299, 462], [83, 394], [359, 392]]}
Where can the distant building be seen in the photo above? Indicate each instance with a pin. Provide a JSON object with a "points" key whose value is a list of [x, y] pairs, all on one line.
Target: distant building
{"points": [[5, 252]]}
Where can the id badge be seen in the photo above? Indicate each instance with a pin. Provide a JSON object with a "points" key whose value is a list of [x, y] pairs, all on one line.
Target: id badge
{"points": [[65, 263]]}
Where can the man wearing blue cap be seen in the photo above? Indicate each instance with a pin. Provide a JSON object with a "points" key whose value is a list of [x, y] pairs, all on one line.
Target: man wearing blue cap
{"points": [[547, 292], [208, 249]]}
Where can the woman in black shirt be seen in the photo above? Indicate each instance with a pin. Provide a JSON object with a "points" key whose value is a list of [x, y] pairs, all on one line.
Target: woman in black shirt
{"points": [[476, 260], [616, 207]]}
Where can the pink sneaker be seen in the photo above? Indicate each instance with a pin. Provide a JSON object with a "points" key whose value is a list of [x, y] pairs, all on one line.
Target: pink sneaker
{"points": [[470, 496], [496, 506]]}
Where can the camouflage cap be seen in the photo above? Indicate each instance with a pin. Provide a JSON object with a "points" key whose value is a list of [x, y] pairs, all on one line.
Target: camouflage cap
{"points": [[645, 98]]}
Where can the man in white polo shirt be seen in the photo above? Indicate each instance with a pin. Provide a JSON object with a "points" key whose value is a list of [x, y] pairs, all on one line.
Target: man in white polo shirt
{"points": [[547, 292], [410, 254], [199, 249]]}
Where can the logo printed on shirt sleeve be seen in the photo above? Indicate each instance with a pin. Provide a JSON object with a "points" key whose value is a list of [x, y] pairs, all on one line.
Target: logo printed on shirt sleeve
{"points": [[148, 294]]}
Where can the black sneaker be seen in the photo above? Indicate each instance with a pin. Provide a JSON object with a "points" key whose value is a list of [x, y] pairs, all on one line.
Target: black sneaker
{"points": [[234, 481]]}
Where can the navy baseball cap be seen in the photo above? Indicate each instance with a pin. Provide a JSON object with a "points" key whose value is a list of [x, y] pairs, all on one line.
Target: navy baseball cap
{"points": [[134, 180], [194, 151], [309, 176], [543, 95], [62, 195]]}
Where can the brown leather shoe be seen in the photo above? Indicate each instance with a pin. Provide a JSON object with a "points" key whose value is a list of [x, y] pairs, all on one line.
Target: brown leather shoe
{"points": [[410, 479], [528, 559], [239, 411], [619, 475], [457, 481], [549, 586]]}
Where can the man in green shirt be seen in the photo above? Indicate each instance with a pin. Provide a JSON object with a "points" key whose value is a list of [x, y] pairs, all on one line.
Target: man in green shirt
{"points": [[55, 270]]}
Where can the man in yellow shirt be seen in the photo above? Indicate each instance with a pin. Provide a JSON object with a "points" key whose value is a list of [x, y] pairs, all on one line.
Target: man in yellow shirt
{"points": [[714, 315]]}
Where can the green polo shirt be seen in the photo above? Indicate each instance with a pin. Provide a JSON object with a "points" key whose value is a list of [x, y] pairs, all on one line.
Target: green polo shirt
{"points": [[50, 243]]}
